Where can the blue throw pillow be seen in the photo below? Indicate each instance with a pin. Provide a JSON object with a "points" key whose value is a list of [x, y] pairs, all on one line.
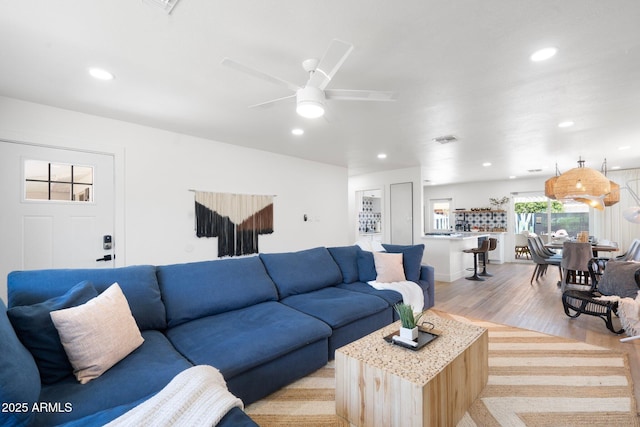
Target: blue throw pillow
{"points": [[347, 259], [411, 259], [19, 379], [35, 329], [366, 266]]}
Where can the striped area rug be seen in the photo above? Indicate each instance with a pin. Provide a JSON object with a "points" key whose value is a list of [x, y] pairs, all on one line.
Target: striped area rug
{"points": [[534, 380]]}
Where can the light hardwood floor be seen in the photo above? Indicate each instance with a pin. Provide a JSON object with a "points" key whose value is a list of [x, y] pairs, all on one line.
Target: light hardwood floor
{"points": [[509, 299]]}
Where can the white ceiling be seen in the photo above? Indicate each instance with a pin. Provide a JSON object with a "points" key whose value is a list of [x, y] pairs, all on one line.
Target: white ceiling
{"points": [[459, 67]]}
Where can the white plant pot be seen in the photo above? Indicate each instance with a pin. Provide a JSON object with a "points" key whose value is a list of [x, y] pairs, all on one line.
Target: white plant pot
{"points": [[410, 334]]}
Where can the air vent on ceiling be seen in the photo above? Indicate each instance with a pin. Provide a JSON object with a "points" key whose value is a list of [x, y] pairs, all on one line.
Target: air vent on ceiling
{"points": [[445, 139], [166, 5], [534, 170]]}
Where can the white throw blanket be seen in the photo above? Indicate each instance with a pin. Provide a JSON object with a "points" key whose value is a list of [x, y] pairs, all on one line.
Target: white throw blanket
{"points": [[197, 396], [411, 292], [628, 312]]}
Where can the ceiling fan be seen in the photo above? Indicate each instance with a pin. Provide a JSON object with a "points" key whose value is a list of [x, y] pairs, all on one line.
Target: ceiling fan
{"points": [[311, 97]]}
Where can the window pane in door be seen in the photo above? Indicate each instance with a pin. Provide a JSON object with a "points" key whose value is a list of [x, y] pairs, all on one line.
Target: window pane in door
{"points": [[60, 191], [37, 190], [83, 174], [36, 170], [60, 173]]}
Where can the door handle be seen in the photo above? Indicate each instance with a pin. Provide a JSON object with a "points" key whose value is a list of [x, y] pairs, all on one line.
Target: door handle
{"points": [[107, 257]]}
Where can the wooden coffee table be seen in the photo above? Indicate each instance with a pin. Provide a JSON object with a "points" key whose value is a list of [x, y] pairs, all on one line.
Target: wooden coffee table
{"points": [[382, 384]]}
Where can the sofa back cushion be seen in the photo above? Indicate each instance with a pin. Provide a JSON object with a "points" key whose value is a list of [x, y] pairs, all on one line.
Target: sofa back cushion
{"points": [[19, 377], [301, 272], [138, 283], [347, 259], [201, 289]]}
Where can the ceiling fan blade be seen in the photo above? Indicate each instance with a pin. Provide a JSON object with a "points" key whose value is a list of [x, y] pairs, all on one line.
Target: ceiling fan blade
{"points": [[268, 104], [333, 58], [359, 95], [259, 74]]}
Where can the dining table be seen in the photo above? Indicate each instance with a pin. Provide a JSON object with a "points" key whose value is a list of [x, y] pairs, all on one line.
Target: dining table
{"points": [[595, 247]]}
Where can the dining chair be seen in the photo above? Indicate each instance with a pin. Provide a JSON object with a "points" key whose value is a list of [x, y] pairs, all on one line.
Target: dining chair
{"points": [[575, 263], [545, 250], [632, 254], [542, 261], [521, 246]]}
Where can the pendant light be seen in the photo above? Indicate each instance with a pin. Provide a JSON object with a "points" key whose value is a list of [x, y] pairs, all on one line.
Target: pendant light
{"points": [[583, 184], [614, 196], [550, 185]]}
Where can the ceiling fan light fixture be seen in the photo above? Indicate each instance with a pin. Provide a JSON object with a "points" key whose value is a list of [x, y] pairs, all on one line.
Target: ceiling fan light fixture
{"points": [[310, 102]]}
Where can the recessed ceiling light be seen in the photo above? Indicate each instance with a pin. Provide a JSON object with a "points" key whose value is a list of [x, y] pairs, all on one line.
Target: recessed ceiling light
{"points": [[486, 164], [382, 156], [100, 74], [624, 147], [615, 167], [512, 177], [297, 131], [543, 54], [566, 124]]}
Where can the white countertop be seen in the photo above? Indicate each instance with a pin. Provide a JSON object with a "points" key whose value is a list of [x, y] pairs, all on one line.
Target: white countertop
{"points": [[456, 236]]}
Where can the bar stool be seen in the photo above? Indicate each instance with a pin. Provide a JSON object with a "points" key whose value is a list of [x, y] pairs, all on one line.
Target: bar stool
{"points": [[484, 247], [493, 243]]}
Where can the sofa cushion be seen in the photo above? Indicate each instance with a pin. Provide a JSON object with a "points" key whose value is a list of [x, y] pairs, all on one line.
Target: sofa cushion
{"points": [[33, 325], [300, 272], [239, 340], [138, 283], [366, 266], [391, 297], [141, 374], [98, 334], [347, 259], [201, 289], [619, 279], [337, 307], [411, 259], [19, 377]]}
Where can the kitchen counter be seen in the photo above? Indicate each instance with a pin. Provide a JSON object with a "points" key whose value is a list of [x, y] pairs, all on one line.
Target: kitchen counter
{"points": [[444, 253]]}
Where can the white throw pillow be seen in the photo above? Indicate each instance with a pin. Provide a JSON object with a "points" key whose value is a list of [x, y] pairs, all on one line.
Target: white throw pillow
{"points": [[98, 334], [388, 267]]}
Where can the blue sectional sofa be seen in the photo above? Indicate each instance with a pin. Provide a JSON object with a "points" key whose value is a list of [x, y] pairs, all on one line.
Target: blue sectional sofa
{"points": [[263, 321]]}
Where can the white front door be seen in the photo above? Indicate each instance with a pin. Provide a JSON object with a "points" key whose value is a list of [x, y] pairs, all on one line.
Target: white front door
{"points": [[43, 233]]}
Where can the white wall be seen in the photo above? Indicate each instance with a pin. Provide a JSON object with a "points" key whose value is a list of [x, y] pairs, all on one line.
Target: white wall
{"points": [[156, 168], [383, 180]]}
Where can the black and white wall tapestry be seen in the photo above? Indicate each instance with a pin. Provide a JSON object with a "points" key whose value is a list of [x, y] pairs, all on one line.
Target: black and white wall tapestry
{"points": [[235, 219]]}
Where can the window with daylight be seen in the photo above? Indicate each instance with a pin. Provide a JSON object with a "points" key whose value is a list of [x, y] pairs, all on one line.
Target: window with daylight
{"points": [[57, 181], [537, 214], [440, 214]]}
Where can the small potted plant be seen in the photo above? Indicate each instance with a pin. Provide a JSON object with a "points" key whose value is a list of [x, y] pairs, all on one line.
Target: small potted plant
{"points": [[409, 321]]}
